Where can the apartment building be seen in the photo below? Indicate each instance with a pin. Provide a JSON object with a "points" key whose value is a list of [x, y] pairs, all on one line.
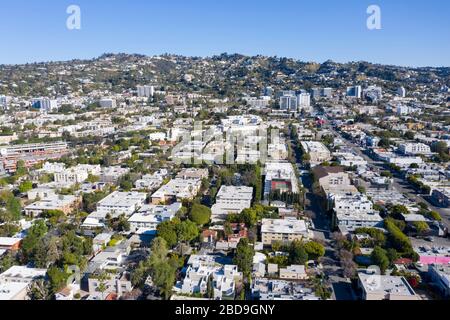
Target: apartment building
{"points": [[177, 190], [284, 231], [14, 282], [231, 200], [355, 211], [381, 287], [147, 219], [66, 204], [118, 203], [414, 149], [317, 151]]}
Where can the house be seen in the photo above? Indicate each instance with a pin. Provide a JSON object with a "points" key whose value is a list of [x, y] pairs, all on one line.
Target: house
{"points": [[284, 231], [441, 196], [294, 272], [68, 293], [383, 287], [102, 284], [231, 200], [9, 244], [193, 174]]}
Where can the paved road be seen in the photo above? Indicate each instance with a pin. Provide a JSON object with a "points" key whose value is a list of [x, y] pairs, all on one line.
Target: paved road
{"points": [[401, 185]]}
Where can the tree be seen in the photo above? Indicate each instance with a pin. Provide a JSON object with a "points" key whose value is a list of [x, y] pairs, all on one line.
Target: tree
{"points": [[187, 231], [297, 253], [29, 244], [244, 257], [39, 290], [200, 214], [167, 231], [57, 279], [249, 217], [314, 250], [421, 227], [380, 258], [25, 186], [163, 276]]}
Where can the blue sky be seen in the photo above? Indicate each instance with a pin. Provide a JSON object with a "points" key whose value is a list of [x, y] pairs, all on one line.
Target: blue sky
{"points": [[414, 33]]}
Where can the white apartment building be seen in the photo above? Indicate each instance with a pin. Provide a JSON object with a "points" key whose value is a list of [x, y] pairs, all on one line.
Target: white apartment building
{"points": [[414, 149], [231, 200], [66, 204], [152, 181], [177, 190], [14, 282], [145, 91], [118, 203], [355, 211], [380, 287], [224, 279], [350, 160], [318, 152], [150, 216], [284, 231], [113, 174]]}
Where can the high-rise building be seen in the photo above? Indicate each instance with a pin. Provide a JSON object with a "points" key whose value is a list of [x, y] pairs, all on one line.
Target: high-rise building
{"points": [[145, 91], [288, 101], [304, 100], [317, 93], [354, 92], [44, 104], [4, 102], [401, 92]]}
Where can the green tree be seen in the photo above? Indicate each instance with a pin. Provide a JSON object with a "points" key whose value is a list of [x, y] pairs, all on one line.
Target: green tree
{"points": [[380, 258], [244, 257], [167, 231], [200, 214], [25, 186], [297, 253], [314, 249], [187, 231]]}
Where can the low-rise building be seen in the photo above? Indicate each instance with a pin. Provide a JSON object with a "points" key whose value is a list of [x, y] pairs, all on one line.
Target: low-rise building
{"points": [[15, 281], [231, 200], [118, 203], [150, 216], [66, 204], [440, 276], [269, 290], [317, 151], [294, 272], [381, 287], [284, 231], [177, 190]]}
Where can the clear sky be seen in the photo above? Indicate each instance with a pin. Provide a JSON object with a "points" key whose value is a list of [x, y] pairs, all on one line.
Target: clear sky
{"points": [[414, 32]]}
